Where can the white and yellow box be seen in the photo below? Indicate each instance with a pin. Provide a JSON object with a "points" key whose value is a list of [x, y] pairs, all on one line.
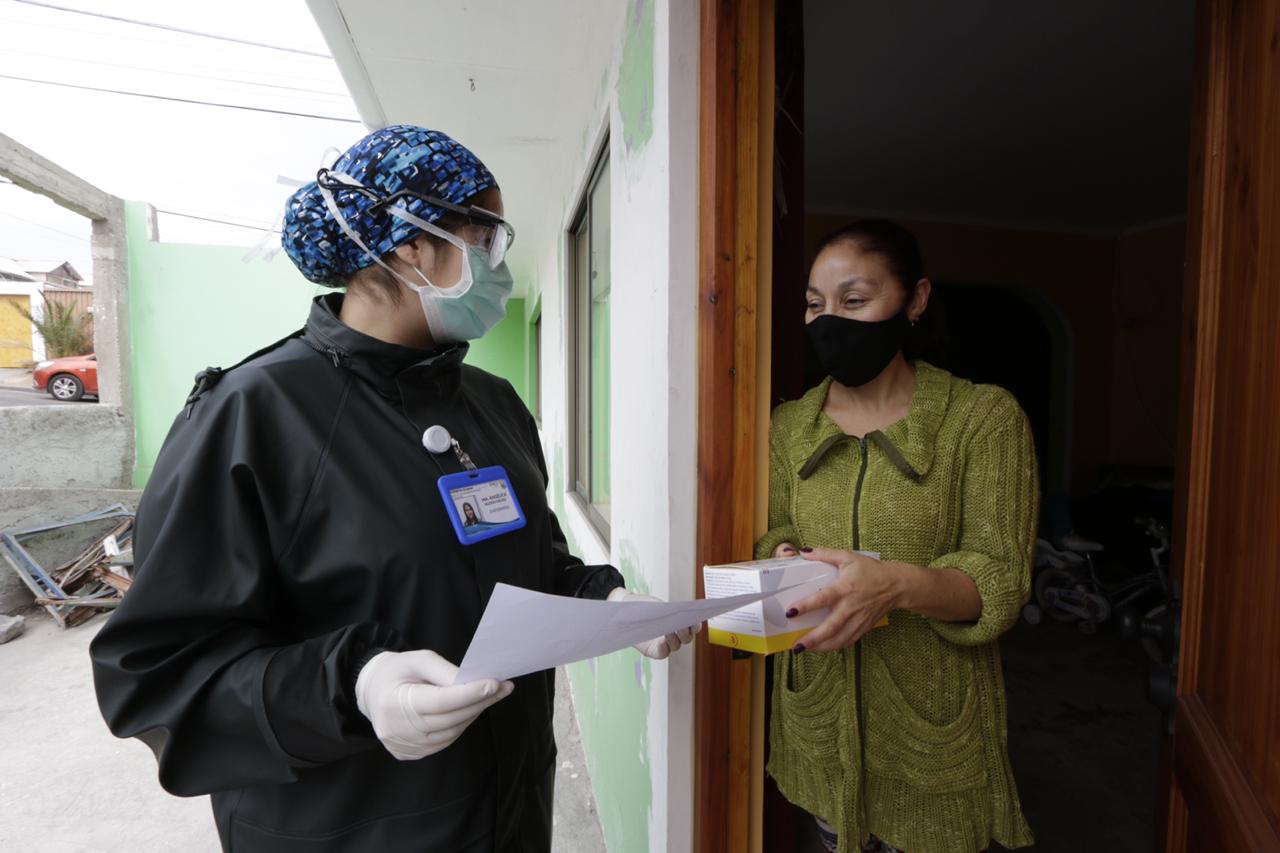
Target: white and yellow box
{"points": [[763, 627]]}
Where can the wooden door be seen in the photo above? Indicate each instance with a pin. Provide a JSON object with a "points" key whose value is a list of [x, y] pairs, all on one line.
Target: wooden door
{"points": [[1225, 792]]}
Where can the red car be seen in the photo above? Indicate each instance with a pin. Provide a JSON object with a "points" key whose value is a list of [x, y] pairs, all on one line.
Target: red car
{"points": [[67, 378]]}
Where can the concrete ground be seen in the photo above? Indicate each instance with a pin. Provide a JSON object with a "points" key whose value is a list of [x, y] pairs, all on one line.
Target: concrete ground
{"points": [[68, 786], [27, 397], [16, 390], [15, 377]]}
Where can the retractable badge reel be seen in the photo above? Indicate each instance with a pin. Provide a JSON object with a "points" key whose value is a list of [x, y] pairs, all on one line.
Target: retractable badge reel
{"points": [[480, 501]]}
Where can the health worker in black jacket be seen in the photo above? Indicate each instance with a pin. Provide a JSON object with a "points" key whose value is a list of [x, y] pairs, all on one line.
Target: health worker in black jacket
{"points": [[306, 579]]}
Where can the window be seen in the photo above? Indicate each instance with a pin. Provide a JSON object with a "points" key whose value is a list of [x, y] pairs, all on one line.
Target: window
{"points": [[589, 280]]}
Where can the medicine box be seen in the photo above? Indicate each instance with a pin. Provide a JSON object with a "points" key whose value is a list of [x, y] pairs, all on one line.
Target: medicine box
{"points": [[763, 627]]}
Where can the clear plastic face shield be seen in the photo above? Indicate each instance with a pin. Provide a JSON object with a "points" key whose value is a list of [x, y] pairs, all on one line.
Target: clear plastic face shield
{"points": [[467, 308], [483, 229]]}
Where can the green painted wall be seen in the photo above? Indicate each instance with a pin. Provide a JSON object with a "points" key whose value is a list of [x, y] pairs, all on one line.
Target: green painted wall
{"points": [[611, 702], [635, 77], [532, 356], [611, 698], [504, 350], [192, 306]]}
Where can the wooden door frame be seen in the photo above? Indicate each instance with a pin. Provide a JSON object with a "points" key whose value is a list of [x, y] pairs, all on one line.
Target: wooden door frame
{"points": [[732, 62], [1202, 768]]}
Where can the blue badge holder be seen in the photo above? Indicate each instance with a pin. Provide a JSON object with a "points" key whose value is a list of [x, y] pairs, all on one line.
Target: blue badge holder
{"points": [[481, 504]]}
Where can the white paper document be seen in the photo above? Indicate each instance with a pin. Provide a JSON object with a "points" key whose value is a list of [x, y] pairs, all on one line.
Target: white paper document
{"points": [[523, 631]]}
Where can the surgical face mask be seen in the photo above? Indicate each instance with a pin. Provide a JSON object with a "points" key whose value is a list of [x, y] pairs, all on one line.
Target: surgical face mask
{"points": [[474, 305], [853, 352], [464, 312]]}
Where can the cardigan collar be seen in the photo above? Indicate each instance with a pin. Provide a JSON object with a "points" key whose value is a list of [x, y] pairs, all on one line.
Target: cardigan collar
{"points": [[908, 444]]}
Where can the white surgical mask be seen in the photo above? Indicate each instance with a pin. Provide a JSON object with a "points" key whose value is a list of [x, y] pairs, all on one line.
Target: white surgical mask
{"points": [[464, 312]]}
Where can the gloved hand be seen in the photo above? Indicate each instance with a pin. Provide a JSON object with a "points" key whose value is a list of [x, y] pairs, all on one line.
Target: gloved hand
{"points": [[662, 647], [415, 707]]}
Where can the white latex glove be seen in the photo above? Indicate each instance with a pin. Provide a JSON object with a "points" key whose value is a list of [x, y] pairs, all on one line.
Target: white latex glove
{"points": [[662, 647], [415, 707]]}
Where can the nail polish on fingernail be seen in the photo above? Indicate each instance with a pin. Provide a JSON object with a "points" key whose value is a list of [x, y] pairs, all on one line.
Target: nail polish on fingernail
{"points": [[806, 550], [799, 647], [792, 613]]}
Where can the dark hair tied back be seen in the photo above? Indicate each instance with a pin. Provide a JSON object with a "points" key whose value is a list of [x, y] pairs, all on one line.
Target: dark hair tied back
{"points": [[895, 245]]}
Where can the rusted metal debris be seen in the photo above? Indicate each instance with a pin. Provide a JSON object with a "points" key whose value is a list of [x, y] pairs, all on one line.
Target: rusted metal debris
{"points": [[93, 581]]}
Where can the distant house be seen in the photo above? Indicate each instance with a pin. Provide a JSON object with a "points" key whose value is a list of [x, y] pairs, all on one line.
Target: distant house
{"points": [[20, 343], [11, 270], [59, 274], [61, 283]]}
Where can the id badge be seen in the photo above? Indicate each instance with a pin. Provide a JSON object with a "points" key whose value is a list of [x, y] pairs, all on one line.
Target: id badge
{"points": [[481, 504]]}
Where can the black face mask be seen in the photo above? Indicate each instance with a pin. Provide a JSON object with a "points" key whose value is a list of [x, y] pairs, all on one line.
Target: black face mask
{"points": [[853, 352]]}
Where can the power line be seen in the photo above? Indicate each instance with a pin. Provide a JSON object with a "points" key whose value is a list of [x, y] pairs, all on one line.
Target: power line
{"points": [[175, 73], [81, 237], [176, 45], [173, 29], [258, 228], [179, 100]]}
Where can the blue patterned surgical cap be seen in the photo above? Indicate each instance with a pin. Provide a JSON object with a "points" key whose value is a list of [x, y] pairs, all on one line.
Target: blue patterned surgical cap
{"points": [[399, 157]]}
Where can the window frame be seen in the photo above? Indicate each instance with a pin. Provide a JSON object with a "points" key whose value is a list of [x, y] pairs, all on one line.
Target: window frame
{"points": [[535, 342], [578, 244]]}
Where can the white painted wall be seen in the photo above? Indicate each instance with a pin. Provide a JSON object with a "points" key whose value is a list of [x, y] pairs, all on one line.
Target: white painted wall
{"points": [[654, 297]]}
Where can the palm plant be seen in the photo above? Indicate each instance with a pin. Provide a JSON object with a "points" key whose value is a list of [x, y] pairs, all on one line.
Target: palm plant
{"points": [[65, 330]]}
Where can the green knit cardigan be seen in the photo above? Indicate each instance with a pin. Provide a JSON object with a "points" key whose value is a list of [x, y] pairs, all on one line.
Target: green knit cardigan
{"points": [[904, 735]]}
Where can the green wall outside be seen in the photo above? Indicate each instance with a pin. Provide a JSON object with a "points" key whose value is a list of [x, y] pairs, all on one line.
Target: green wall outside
{"points": [[504, 353], [192, 306]]}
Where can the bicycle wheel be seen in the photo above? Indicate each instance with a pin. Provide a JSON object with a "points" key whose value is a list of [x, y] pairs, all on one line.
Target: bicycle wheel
{"points": [[1054, 579], [1149, 644]]}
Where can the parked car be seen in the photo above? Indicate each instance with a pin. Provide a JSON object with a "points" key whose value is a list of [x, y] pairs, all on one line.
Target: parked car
{"points": [[67, 378]]}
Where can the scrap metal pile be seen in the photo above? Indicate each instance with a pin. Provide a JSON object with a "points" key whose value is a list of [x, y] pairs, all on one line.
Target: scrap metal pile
{"points": [[95, 579]]}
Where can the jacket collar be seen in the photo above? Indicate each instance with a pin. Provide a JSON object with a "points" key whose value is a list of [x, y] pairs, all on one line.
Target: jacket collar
{"points": [[383, 365], [909, 443]]}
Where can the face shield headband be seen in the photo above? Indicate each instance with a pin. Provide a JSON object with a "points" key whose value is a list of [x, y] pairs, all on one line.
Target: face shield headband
{"points": [[499, 238], [465, 311]]}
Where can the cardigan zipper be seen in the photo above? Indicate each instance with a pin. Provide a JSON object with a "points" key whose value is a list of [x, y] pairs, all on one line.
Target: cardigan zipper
{"points": [[857, 651], [857, 493]]}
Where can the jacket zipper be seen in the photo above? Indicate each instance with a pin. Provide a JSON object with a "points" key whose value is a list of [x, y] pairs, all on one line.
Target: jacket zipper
{"points": [[857, 652]]}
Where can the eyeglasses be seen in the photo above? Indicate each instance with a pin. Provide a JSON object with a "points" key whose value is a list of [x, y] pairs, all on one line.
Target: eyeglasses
{"points": [[497, 236]]}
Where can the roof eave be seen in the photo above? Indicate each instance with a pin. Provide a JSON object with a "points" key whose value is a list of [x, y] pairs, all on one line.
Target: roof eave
{"points": [[333, 26]]}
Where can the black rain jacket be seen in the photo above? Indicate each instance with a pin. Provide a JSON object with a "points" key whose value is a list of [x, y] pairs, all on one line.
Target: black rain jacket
{"points": [[291, 529]]}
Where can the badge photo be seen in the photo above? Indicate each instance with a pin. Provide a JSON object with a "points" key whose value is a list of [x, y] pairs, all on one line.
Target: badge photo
{"points": [[481, 504]]}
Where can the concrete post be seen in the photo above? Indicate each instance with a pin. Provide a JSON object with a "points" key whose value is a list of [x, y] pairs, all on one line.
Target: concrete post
{"points": [[61, 454]]}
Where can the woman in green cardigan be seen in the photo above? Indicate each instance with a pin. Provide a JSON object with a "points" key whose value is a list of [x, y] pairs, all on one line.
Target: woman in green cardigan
{"points": [[894, 737]]}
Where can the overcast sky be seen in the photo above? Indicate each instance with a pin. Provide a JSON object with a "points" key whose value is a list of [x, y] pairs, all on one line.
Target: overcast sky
{"points": [[207, 161]]}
